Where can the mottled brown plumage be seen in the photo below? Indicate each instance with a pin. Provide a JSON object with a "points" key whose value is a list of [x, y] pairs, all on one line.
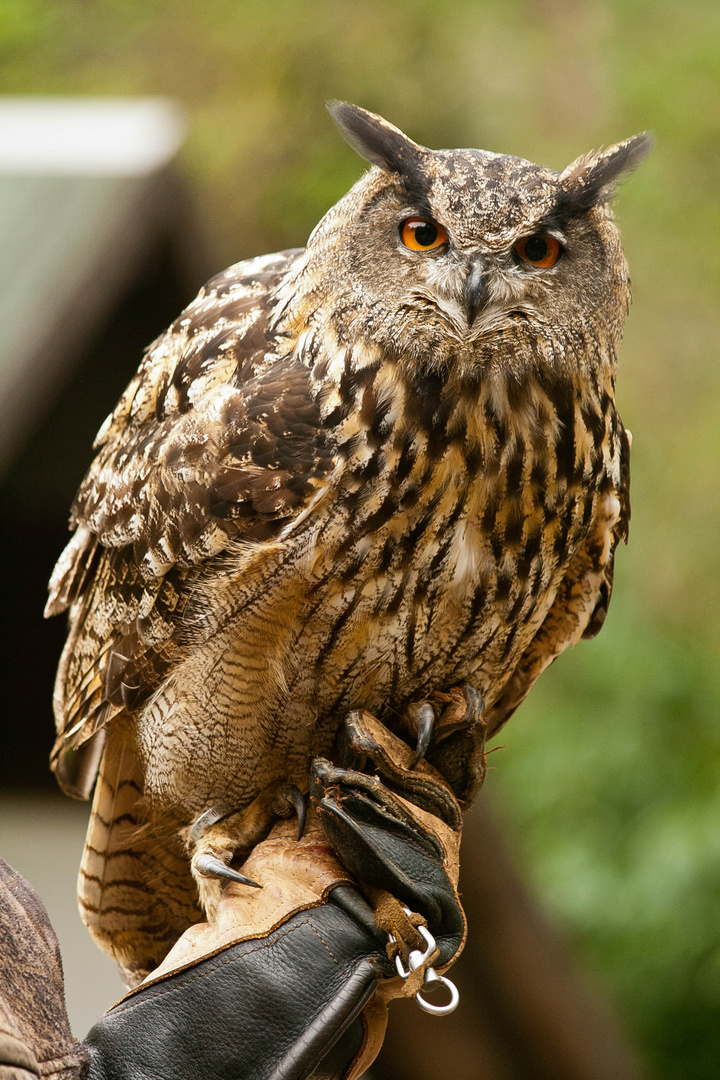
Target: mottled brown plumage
{"points": [[347, 476]]}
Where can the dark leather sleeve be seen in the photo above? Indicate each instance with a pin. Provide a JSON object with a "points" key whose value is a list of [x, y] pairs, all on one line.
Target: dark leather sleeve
{"points": [[281, 1007]]}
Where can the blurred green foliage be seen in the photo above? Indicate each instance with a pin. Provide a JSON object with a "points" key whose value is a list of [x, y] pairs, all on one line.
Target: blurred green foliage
{"points": [[609, 781]]}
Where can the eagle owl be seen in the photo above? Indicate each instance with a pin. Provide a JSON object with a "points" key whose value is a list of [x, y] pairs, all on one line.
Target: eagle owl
{"points": [[349, 475]]}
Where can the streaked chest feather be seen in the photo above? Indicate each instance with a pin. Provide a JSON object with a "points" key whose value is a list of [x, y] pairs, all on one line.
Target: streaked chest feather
{"points": [[459, 510]]}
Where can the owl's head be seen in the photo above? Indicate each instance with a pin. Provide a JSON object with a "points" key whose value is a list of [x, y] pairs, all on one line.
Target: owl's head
{"points": [[440, 252]]}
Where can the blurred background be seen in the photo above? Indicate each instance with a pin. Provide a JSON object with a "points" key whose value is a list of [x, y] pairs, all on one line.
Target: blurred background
{"points": [[606, 791]]}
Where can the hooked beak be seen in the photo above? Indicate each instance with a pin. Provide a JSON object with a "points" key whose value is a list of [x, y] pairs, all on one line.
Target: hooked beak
{"points": [[474, 290]]}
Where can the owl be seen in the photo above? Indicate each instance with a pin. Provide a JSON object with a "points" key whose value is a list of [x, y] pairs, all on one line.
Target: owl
{"points": [[357, 474]]}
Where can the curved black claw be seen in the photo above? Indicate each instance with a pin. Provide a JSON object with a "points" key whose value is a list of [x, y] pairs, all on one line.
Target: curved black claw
{"points": [[297, 798], [425, 716], [212, 867]]}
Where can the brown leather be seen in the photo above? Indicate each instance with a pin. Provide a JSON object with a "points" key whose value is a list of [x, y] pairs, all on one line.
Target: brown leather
{"points": [[35, 1036]]}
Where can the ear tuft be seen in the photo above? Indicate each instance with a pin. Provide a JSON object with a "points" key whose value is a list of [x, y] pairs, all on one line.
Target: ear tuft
{"points": [[594, 177], [375, 139]]}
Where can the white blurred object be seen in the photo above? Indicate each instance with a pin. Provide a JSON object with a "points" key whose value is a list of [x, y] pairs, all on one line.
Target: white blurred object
{"points": [[88, 136], [87, 191]]}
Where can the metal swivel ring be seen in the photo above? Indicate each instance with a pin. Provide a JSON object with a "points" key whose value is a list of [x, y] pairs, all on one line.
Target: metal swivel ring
{"points": [[415, 960]]}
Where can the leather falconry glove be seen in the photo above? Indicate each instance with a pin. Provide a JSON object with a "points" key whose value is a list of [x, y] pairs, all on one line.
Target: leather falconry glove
{"points": [[293, 980]]}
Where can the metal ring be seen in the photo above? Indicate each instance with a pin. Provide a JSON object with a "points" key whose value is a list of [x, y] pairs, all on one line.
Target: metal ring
{"points": [[431, 975], [208, 818], [415, 959]]}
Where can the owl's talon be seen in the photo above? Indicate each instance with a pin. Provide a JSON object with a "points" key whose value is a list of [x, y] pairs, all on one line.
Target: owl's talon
{"points": [[297, 798], [209, 866], [425, 719], [219, 836]]}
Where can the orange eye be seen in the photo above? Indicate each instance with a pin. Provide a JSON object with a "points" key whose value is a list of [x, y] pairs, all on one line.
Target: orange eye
{"points": [[539, 250], [422, 234]]}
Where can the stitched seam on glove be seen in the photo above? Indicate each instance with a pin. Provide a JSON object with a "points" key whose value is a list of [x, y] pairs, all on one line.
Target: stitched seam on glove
{"points": [[223, 963], [228, 939]]}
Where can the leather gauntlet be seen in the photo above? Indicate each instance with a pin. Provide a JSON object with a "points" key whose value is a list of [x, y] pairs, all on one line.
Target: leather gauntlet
{"points": [[292, 980]]}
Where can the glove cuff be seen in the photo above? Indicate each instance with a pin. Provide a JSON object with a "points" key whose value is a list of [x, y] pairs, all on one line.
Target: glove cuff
{"points": [[283, 1006]]}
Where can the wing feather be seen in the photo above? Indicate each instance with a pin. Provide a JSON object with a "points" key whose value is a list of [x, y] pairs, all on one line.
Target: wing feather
{"points": [[217, 438]]}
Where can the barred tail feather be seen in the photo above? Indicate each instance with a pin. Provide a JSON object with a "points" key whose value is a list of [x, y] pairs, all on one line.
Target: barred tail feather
{"points": [[135, 891]]}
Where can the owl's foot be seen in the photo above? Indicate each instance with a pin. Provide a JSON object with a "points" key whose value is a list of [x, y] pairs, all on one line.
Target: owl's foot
{"points": [[221, 840], [458, 710], [461, 709], [457, 750]]}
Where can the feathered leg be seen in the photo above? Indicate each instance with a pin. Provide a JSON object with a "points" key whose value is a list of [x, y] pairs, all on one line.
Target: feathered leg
{"points": [[134, 887]]}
